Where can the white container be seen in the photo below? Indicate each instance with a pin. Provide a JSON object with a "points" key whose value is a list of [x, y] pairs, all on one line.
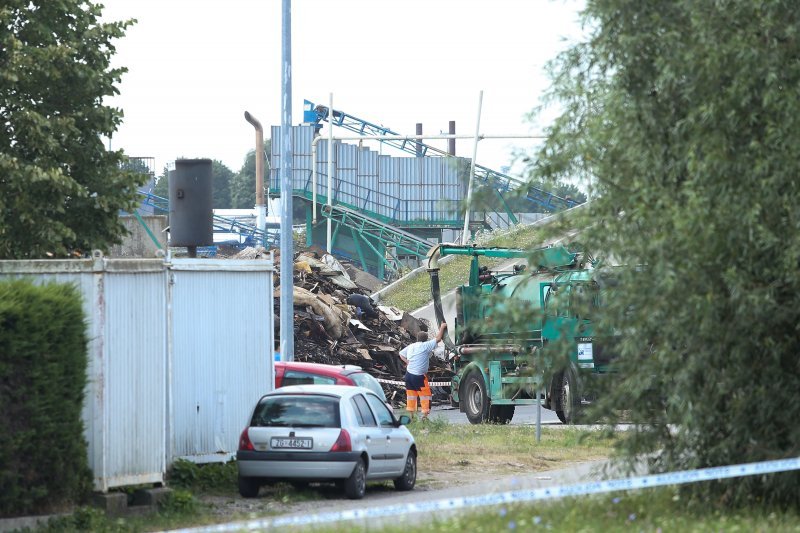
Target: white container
{"points": [[178, 354], [124, 410], [222, 344]]}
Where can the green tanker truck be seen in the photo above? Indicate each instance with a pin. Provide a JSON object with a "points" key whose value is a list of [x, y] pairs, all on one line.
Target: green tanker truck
{"points": [[495, 360]]}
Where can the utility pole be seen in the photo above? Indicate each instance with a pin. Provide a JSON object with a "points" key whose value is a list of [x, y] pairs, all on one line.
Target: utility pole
{"points": [[287, 244]]}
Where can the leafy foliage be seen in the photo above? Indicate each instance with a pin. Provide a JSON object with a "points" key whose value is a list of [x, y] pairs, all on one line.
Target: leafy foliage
{"points": [[207, 477], [243, 184], [162, 184], [682, 119], [179, 502], [221, 177], [60, 189], [43, 456]]}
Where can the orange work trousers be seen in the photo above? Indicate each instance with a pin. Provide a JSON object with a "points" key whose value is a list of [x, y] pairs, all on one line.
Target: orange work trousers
{"points": [[424, 395]]}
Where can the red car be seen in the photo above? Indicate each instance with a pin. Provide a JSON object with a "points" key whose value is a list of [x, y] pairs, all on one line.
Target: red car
{"points": [[296, 373]]}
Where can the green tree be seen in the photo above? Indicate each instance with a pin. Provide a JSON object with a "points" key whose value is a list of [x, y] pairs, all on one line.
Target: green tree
{"points": [[60, 189], [162, 184], [221, 177], [683, 119], [243, 184]]}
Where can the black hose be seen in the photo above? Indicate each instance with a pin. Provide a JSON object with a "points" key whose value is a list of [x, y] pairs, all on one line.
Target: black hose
{"points": [[437, 306]]}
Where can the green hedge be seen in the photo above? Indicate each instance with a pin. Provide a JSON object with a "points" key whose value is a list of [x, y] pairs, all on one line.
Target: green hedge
{"points": [[43, 455]]}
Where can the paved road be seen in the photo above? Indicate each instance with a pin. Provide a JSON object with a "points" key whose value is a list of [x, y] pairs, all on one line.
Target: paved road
{"points": [[523, 415]]}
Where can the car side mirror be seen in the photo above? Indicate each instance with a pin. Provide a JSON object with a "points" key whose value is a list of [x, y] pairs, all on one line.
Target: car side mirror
{"points": [[404, 420]]}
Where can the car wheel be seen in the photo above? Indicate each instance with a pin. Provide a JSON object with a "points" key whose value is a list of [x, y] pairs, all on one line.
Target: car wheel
{"points": [[475, 399], [409, 477], [248, 486], [566, 397], [356, 485]]}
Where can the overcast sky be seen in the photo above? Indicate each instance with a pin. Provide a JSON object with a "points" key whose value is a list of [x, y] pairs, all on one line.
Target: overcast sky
{"points": [[195, 66]]}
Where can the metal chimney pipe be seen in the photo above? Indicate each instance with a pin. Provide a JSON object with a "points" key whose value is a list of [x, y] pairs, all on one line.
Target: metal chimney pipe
{"points": [[261, 216], [419, 132], [451, 143]]}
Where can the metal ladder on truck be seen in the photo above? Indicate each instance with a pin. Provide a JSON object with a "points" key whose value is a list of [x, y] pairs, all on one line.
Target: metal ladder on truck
{"points": [[499, 182]]}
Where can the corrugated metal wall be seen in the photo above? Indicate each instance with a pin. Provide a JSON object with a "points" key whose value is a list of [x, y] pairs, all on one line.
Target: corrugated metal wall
{"points": [[222, 345], [124, 412], [178, 355], [407, 190], [135, 360]]}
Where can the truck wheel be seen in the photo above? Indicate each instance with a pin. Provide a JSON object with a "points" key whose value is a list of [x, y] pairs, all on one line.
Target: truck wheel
{"points": [[566, 399], [501, 414], [453, 403], [474, 398]]}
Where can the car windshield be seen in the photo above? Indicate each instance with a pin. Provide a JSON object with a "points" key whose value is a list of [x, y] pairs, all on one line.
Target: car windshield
{"points": [[297, 411], [362, 379]]}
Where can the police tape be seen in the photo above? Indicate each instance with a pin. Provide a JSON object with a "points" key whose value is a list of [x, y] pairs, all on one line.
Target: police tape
{"points": [[432, 384], [517, 496]]}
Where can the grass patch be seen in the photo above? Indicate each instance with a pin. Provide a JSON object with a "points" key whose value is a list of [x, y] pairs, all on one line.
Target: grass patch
{"points": [[208, 494], [647, 510], [181, 509], [413, 293], [502, 450], [416, 292]]}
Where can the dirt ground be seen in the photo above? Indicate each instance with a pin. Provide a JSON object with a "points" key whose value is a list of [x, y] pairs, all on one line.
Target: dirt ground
{"points": [[285, 499]]}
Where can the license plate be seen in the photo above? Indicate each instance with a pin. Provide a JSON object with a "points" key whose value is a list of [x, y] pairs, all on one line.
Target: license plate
{"points": [[294, 443]]}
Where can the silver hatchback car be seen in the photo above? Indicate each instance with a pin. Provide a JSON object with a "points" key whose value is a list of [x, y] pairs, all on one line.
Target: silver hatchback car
{"points": [[336, 433]]}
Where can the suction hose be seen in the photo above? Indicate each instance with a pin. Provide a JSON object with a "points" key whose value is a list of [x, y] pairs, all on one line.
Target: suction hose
{"points": [[433, 272]]}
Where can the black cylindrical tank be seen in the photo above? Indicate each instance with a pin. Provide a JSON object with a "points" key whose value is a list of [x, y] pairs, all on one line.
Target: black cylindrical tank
{"points": [[190, 203]]}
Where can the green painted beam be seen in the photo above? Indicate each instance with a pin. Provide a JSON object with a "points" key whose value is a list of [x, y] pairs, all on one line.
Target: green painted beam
{"points": [[309, 226], [360, 252], [506, 207], [147, 229], [382, 259]]}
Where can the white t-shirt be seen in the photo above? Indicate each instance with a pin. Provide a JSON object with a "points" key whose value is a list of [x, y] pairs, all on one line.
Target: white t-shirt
{"points": [[418, 356]]}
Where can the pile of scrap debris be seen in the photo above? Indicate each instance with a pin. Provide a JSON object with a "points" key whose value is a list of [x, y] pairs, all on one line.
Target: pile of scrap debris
{"points": [[336, 323]]}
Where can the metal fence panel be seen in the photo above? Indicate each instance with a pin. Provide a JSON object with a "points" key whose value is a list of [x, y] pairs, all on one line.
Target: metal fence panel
{"points": [[378, 184], [135, 385], [222, 346], [124, 411]]}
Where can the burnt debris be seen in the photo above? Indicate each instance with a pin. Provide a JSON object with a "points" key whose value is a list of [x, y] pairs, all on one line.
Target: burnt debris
{"points": [[329, 330]]}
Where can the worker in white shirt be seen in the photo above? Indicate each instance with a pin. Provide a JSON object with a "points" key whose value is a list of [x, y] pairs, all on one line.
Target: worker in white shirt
{"points": [[417, 357]]}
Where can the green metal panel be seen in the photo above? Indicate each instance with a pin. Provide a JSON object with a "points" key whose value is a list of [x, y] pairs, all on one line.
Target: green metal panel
{"points": [[495, 380]]}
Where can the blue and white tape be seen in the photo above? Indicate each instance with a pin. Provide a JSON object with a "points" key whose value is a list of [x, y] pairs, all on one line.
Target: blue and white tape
{"points": [[432, 384], [517, 496]]}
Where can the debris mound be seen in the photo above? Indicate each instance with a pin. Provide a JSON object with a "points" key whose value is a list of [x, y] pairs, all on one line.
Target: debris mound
{"points": [[329, 330]]}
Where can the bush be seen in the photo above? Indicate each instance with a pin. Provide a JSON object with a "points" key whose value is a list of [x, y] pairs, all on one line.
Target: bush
{"points": [[43, 455], [203, 477], [681, 117]]}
